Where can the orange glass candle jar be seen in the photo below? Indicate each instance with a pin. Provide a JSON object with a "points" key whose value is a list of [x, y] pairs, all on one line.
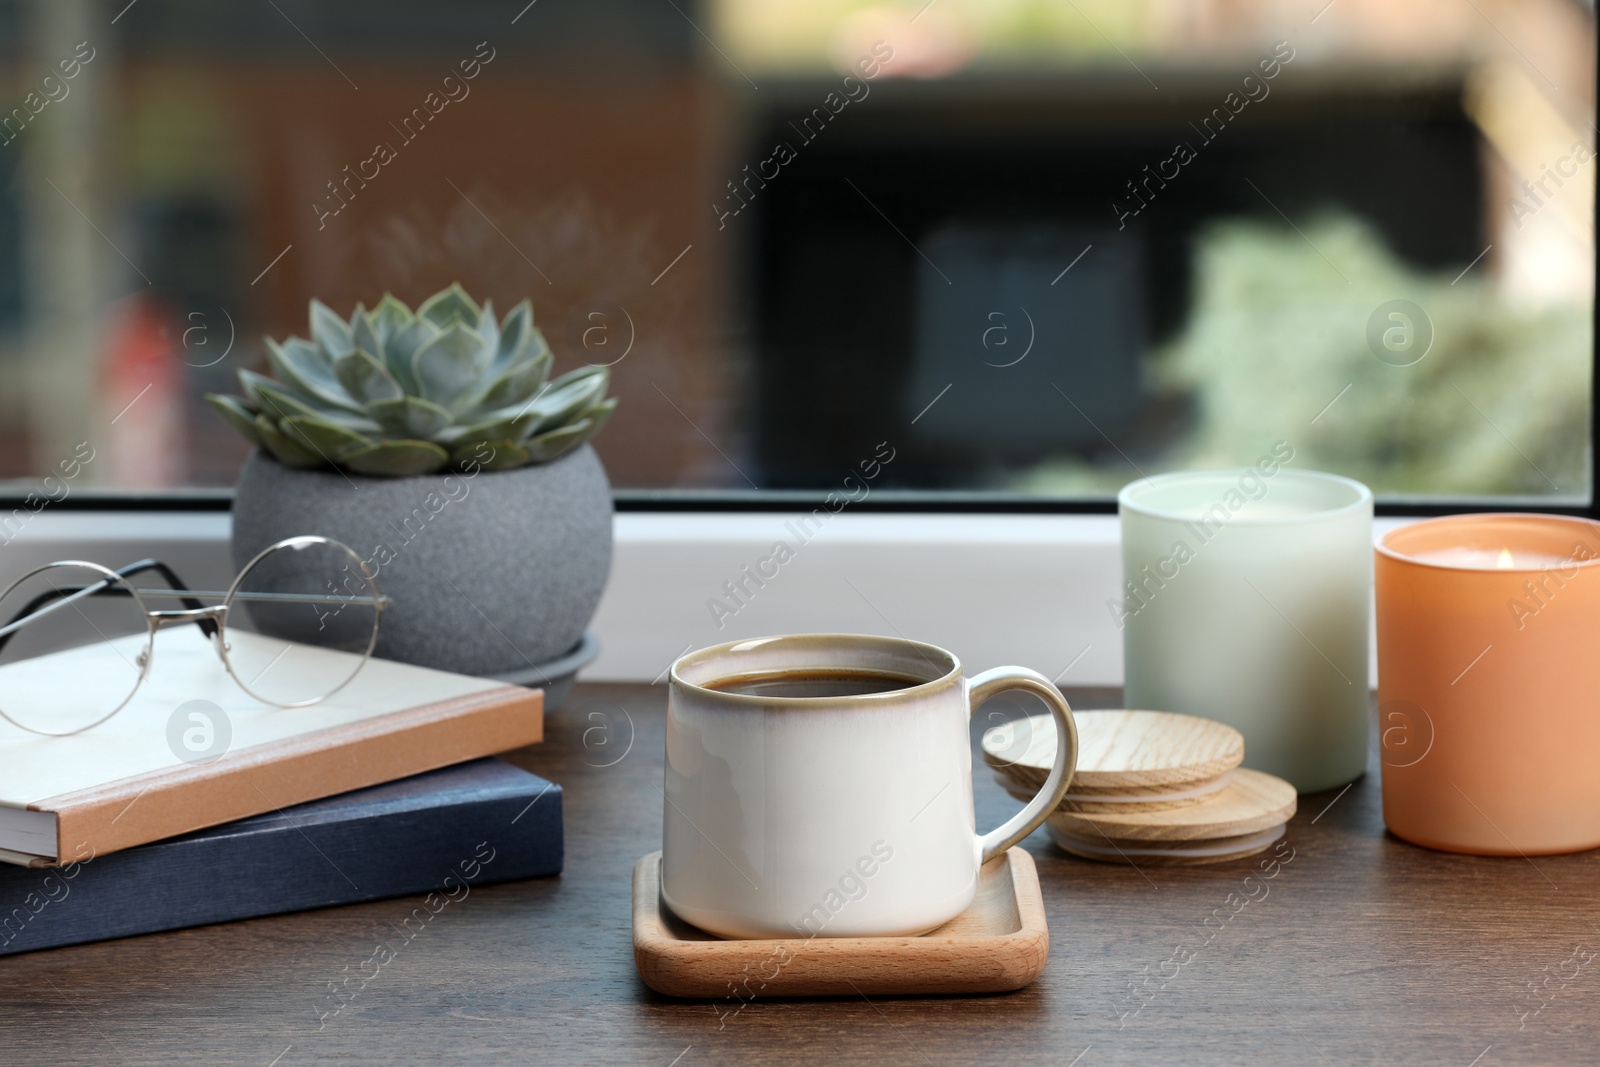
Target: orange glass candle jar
{"points": [[1489, 683]]}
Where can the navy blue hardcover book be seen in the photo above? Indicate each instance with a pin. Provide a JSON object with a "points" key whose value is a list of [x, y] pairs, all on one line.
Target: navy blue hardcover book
{"points": [[472, 824]]}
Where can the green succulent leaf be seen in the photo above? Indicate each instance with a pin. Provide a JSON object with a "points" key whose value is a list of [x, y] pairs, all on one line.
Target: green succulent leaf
{"points": [[364, 332], [514, 335], [401, 348], [501, 456], [464, 455], [236, 414], [397, 458], [392, 392], [328, 329], [588, 370], [283, 449], [409, 416], [513, 427], [600, 414], [564, 400], [390, 317], [547, 446], [537, 347], [450, 305], [489, 334], [328, 440], [365, 378], [272, 398], [448, 366], [307, 370], [516, 386]]}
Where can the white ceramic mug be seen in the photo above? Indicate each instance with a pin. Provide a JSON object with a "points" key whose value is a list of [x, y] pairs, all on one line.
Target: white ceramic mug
{"points": [[833, 815]]}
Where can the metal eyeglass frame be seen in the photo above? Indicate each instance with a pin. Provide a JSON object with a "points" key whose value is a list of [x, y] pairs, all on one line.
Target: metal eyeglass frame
{"points": [[212, 620]]}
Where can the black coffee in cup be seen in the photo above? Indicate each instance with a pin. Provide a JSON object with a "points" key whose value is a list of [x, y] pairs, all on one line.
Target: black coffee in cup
{"points": [[818, 682]]}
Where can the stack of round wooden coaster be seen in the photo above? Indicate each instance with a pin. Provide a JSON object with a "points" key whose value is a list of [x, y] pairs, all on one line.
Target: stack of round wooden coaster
{"points": [[1151, 787]]}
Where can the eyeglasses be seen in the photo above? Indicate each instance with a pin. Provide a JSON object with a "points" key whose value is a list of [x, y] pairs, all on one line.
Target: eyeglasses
{"points": [[296, 625]]}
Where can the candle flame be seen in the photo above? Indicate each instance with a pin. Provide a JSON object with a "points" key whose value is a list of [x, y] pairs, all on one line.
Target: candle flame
{"points": [[1505, 562]]}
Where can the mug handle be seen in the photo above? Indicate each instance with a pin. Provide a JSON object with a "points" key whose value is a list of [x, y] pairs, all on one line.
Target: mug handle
{"points": [[1019, 679]]}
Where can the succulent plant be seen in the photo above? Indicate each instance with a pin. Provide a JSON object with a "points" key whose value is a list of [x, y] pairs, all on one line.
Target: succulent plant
{"points": [[392, 392]]}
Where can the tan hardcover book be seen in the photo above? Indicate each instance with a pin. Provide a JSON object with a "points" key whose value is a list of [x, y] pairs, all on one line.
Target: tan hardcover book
{"points": [[124, 783]]}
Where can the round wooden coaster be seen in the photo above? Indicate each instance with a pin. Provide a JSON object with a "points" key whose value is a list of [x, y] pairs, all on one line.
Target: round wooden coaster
{"points": [[1165, 854], [1250, 803], [1092, 803], [1180, 758]]}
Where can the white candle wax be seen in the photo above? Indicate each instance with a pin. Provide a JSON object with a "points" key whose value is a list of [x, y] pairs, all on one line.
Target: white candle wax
{"points": [[1246, 599]]}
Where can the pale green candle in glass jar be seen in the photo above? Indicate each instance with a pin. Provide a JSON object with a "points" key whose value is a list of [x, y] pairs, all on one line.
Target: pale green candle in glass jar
{"points": [[1246, 597]]}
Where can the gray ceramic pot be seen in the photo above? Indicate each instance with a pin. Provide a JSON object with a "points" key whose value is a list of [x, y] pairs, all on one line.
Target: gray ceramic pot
{"points": [[489, 574]]}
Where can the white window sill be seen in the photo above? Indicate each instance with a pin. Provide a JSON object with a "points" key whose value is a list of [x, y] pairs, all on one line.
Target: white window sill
{"points": [[994, 589]]}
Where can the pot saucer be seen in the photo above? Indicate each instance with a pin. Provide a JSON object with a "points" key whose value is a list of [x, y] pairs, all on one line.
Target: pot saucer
{"points": [[556, 676]]}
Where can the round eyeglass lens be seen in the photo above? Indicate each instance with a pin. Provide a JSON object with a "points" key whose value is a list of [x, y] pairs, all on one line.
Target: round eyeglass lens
{"points": [[301, 621], [74, 643]]}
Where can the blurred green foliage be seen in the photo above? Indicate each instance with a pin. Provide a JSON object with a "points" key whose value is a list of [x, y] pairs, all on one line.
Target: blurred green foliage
{"points": [[1500, 405]]}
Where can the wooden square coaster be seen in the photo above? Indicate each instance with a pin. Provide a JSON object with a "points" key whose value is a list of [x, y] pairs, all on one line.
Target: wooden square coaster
{"points": [[998, 944]]}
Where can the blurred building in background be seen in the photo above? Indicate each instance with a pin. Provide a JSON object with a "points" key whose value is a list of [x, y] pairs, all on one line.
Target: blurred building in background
{"points": [[1041, 247]]}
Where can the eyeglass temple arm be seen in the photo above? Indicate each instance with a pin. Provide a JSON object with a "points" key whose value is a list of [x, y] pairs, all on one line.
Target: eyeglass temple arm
{"points": [[207, 626], [47, 596]]}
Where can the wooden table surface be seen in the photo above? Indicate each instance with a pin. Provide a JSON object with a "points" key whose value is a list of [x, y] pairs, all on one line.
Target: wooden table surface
{"points": [[1361, 949]]}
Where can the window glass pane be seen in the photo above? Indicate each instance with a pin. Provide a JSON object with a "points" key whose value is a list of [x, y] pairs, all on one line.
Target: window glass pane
{"points": [[982, 248]]}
